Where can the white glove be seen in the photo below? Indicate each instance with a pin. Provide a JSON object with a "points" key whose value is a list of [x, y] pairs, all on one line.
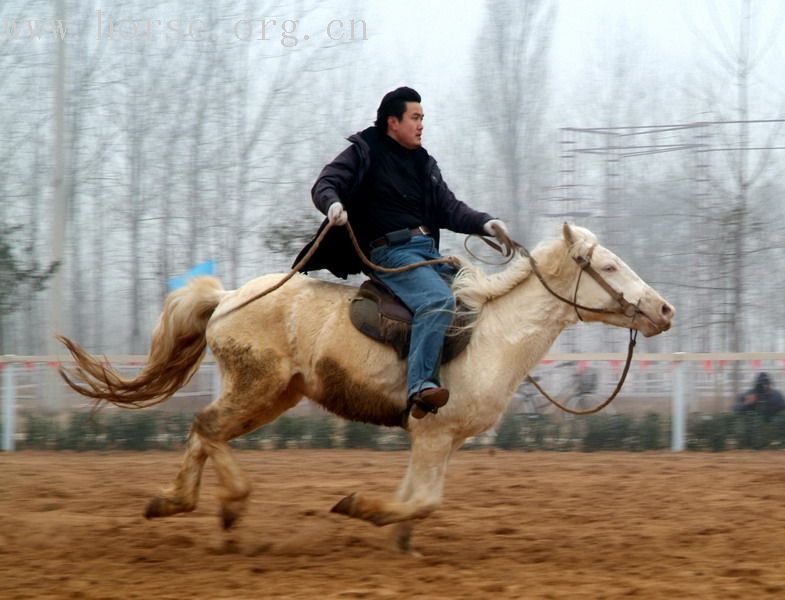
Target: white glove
{"points": [[336, 214], [489, 227]]}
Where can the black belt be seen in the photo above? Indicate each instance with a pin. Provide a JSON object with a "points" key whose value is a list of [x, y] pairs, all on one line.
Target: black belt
{"points": [[399, 236]]}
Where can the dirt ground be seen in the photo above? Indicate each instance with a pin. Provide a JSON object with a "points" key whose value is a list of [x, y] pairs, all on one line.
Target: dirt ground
{"points": [[513, 525]]}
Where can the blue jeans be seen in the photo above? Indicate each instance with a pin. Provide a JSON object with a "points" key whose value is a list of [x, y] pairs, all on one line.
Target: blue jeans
{"points": [[427, 293]]}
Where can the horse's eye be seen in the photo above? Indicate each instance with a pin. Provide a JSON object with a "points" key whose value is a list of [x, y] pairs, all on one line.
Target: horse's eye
{"points": [[609, 268]]}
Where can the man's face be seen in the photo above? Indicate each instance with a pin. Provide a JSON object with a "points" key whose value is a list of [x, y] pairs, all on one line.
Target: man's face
{"points": [[408, 131]]}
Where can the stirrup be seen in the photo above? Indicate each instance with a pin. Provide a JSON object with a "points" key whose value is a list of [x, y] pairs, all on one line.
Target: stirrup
{"points": [[427, 401]]}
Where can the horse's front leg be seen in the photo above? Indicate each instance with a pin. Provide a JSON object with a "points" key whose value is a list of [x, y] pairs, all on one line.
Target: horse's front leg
{"points": [[402, 533], [420, 492]]}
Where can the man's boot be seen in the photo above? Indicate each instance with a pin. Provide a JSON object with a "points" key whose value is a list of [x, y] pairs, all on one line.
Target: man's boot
{"points": [[429, 400]]}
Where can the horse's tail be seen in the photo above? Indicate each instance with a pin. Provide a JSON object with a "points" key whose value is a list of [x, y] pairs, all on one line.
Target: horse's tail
{"points": [[177, 348]]}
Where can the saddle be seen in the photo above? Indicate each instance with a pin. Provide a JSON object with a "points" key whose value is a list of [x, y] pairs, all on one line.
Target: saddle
{"points": [[381, 315]]}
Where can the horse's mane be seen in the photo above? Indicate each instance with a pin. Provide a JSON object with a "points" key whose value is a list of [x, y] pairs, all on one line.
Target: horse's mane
{"points": [[474, 287]]}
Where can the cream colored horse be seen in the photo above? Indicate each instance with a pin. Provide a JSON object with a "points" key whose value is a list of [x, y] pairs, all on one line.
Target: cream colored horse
{"points": [[298, 342]]}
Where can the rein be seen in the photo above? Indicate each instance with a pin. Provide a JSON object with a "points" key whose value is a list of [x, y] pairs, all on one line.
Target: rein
{"points": [[509, 246], [446, 260], [589, 411]]}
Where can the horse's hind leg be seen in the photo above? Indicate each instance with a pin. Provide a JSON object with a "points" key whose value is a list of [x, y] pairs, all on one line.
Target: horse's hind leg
{"points": [[211, 431], [183, 494], [259, 387], [218, 427], [246, 404]]}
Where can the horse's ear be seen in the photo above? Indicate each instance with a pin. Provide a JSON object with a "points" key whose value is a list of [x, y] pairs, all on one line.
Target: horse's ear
{"points": [[567, 233]]}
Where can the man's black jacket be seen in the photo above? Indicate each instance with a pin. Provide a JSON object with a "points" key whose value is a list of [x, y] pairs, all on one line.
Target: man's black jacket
{"points": [[340, 181]]}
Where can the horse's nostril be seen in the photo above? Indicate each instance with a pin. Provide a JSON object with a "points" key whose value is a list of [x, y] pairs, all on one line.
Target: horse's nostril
{"points": [[667, 309]]}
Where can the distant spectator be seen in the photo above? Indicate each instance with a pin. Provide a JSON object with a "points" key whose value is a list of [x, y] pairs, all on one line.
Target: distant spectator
{"points": [[762, 398]]}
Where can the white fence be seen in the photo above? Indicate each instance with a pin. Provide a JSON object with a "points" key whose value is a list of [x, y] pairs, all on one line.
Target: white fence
{"points": [[668, 384]]}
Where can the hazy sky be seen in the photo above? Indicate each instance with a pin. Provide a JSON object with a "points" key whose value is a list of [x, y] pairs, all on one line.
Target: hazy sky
{"points": [[670, 38]]}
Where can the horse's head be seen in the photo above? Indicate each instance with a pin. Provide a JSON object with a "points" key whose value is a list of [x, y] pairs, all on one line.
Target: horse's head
{"points": [[608, 284]]}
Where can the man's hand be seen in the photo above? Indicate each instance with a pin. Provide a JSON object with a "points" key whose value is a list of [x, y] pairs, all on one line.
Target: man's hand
{"points": [[336, 214], [491, 226]]}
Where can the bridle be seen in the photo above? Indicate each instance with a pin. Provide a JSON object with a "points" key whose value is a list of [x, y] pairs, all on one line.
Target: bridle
{"points": [[509, 246]]}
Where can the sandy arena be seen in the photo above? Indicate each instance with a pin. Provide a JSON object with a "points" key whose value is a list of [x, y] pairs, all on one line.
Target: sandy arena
{"points": [[513, 525]]}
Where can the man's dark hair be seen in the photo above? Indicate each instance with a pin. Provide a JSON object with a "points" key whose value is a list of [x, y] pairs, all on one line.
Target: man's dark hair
{"points": [[394, 105]]}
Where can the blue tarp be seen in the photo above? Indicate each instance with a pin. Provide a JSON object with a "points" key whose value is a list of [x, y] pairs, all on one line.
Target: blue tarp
{"points": [[205, 268]]}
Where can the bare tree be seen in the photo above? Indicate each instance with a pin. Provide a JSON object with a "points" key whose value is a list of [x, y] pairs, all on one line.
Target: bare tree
{"points": [[511, 75], [745, 158], [15, 273]]}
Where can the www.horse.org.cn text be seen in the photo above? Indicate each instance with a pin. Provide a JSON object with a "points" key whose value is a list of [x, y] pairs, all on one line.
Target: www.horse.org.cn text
{"points": [[105, 27]]}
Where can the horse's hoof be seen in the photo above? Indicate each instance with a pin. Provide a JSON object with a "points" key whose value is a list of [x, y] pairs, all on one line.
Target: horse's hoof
{"points": [[403, 545], [161, 506], [345, 506], [155, 508], [228, 518]]}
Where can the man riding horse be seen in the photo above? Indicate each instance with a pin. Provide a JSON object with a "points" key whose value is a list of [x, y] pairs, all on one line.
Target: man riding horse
{"points": [[391, 191]]}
